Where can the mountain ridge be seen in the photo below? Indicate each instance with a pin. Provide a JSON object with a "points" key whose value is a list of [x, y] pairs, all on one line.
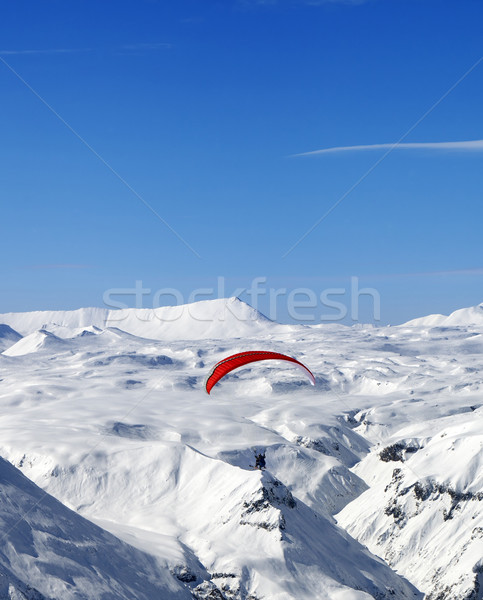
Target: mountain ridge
{"points": [[219, 318], [471, 315]]}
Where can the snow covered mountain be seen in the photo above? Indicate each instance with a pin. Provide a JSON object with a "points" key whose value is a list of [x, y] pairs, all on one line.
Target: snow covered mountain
{"points": [[48, 551], [41, 339], [464, 316], [8, 336], [226, 317], [109, 417]]}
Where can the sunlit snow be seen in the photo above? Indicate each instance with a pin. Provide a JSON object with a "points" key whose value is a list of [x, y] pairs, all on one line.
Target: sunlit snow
{"points": [[374, 480]]}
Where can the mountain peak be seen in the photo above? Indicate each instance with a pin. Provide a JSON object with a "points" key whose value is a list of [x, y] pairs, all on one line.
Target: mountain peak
{"points": [[472, 315], [218, 318]]}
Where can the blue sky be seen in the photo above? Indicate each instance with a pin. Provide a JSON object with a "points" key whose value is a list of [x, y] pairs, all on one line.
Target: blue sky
{"points": [[200, 106]]}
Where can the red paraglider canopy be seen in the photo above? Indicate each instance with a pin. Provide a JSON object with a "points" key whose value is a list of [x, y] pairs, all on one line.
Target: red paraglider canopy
{"points": [[243, 358]]}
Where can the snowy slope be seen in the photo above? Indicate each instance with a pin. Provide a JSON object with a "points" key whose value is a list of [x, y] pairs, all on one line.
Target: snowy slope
{"points": [[30, 322], [48, 551], [464, 316], [8, 337], [425, 506], [117, 427], [227, 317], [34, 342]]}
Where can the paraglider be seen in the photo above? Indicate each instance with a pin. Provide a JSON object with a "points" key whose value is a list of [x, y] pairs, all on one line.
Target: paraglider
{"points": [[260, 462], [241, 359]]}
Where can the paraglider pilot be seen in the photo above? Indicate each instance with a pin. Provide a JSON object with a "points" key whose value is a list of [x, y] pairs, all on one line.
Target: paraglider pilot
{"points": [[260, 461]]}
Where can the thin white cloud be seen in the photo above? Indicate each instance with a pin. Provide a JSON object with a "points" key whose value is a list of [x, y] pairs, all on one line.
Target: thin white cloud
{"points": [[314, 280], [449, 273], [59, 266], [473, 145], [151, 46], [45, 51]]}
